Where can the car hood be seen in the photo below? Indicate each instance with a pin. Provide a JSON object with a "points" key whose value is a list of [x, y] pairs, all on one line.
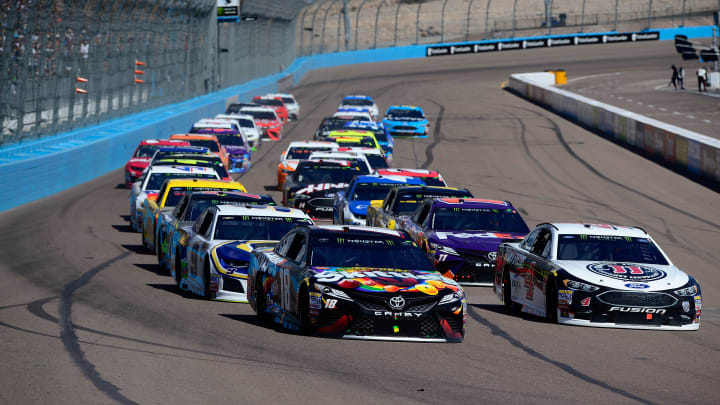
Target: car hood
{"points": [[140, 162], [291, 163], [625, 275], [472, 240], [231, 258], [403, 123], [320, 190], [236, 150], [359, 207], [378, 280]]}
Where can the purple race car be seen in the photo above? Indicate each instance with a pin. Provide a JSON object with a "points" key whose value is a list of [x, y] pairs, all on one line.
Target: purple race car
{"points": [[461, 235]]}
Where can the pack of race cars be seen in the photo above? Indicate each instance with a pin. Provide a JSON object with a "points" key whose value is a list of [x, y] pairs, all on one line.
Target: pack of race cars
{"points": [[402, 241]]}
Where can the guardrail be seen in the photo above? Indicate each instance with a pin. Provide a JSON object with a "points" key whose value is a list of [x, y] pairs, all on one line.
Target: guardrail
{"points": [[37, 169], [678, 147]]}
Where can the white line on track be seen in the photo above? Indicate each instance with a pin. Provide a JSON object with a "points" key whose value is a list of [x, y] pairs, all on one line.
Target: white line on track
{"points": [[676, 113], [692, 117], [707, 121], [640, 102], [651, 106], [663, 109], [629, 100], [593, 76]]}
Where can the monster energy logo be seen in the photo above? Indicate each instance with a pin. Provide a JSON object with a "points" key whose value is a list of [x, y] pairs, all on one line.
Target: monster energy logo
{"points": [[583, 237], [288, 219], [456, 209], [245, 218], [340, 240], [629, 239], [390, 242]]}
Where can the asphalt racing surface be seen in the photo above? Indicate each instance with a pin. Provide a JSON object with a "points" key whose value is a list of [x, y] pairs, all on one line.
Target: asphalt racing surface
{"points": [[86, 318]]}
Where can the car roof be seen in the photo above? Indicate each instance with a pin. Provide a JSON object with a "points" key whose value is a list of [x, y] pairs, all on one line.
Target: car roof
{"points": [[195, 136], [235, 116], [182, 169], [351, 132], [354, 229], [377, 178], [261, 210], [358, 96], [300, 144], [164, 142], [409, 172], [404, 107], [599, 229], [416, 189], [229, 193], [471, 203], [258, 108], [364, 150], [204, 183], [182, 148]]}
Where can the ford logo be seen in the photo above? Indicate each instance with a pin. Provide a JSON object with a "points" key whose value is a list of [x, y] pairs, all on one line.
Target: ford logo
{"points": [[637, 286], [637, 273]]}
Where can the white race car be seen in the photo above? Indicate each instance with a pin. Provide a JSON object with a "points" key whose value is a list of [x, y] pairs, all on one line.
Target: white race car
{"points": [[290, 103], [247, 127], [153, 180], [359, 101], [596, 275], [215, 251]]}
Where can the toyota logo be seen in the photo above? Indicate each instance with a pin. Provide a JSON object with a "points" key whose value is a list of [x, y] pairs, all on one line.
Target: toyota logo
{"points": [[492, 256], [397, 303]]}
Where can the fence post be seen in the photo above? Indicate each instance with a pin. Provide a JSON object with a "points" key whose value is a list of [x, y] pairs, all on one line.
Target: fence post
{"points": [[417, 23], [514, 21], [442, 22], [682, 20], [302, 29], [487, 18], [616, 16], [322, 38], [650, 14], [548, 16], [397, 12], [357, 22], [346, 19], [582, 18], [312, 26], [342, 11], [467, 21], [377, 17]]}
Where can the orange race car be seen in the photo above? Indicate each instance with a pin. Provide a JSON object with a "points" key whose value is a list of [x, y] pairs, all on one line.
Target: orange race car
{"points": [[208, 141]]}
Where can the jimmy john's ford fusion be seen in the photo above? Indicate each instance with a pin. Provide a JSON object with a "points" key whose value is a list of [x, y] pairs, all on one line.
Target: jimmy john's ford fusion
{"points": [[355, 282], [596, 275]]}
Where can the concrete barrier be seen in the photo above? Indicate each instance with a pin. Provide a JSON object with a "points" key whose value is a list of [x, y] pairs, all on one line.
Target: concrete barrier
{"points": [[39, 168], [677, 147]]}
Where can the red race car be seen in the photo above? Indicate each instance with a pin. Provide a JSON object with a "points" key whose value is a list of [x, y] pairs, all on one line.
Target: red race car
{"points": [[141, 158], [276, 103]]}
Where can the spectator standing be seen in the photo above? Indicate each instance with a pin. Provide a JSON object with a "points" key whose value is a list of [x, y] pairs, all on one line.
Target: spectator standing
{"points": [[674, 77], [701, 77], [681, 77]]}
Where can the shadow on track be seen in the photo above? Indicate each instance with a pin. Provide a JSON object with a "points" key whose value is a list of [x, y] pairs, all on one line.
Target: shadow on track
{"points": [[139, 249], [123, 228]]}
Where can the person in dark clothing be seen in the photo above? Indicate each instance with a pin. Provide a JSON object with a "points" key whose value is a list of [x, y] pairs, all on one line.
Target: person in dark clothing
{"points": [[681, 78], [674, 77]]}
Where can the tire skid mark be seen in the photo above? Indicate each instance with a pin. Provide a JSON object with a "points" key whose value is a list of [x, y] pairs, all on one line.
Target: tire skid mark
{"points": [[572, 371], [437, 135], [69, 337]]}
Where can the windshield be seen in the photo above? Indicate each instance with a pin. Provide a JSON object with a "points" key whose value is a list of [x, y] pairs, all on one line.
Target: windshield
{"points": [[478, 219], [331, 124], [288, 100], [208, 143], [405, 115], [408, 202], [197, 206], [609, 249], [354, 142], [372, 191], [145, 151], [316, 173], [262, 115], [156, 180], [246, 123], [377, 251], [377, 162], [213, 131], [303, 152], [250, 227], [266, 101], [357, 102], [234, 140], [434, 181]]}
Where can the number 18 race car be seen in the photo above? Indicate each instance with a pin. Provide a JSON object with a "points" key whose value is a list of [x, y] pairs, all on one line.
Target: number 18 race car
{"points": [[596, 275], [357, 283]]}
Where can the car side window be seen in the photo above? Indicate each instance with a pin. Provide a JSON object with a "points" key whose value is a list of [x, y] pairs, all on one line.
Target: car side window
{"points": [[298, 248], [422, 213], [161, 192], [548, 246], [180, 209], [529, 240], [282, 247], [541, 242], [207, 220], [199, 222]]}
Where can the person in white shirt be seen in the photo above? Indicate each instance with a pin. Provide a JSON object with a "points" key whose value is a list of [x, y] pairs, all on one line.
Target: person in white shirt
{"points": [[702, 78]]}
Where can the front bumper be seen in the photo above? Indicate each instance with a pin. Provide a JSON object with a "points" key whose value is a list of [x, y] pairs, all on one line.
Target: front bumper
{"points": [[408, 130], [466, 270], [239, 165], [315, 207]]}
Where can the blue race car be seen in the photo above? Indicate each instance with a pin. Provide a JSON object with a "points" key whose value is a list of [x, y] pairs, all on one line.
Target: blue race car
{"points": [[350, 206], [405, 120], [381, 134]]}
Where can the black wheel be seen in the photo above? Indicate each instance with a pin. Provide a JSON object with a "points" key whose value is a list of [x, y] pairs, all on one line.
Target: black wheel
{"points": [[510, 306], [260, 301], [159, 252], [206, 281], [551, 304], [178, 269], [144, 242], [304, 312]]}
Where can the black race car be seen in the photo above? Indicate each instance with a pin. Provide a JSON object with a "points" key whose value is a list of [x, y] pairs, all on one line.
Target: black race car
{"points": [[313, 184], [334, 123], [355, 282]]}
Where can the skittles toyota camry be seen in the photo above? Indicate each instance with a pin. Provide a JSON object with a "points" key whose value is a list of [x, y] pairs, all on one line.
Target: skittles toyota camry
{"points": [[357, 283], [596, 275]]}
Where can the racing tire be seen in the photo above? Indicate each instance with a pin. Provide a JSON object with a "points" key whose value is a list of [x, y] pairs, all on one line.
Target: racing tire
{"points": [[510, 306], [305, 328], [178, 269], [144, 242], [261, 302], [159, 253], [551, 300], [206, 281]]}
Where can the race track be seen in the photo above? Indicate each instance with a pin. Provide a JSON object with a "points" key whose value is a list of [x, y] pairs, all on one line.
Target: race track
{"points": [[85, 318]]}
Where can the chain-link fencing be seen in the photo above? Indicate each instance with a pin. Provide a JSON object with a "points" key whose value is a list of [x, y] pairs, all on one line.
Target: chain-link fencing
{"points": [[65, 64], [340, 25]]}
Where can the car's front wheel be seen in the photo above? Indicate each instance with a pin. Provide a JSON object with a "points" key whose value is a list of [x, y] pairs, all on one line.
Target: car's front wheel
{"points": [[306, 328], [261, 301], [510, 306], [551, 300]]}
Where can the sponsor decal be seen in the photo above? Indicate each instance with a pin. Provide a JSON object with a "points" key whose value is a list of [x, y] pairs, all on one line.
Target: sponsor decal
{"points": [[396, 303], [637, 286], [335, 276], [320, 187], [565, 296], [686, 306], [639, 310], [315, 301], [461, 49], [585, 302], [627, 271], [398, 315], [479, 235], [330, 304], [477, 48], [438, 50], [492, 256]]}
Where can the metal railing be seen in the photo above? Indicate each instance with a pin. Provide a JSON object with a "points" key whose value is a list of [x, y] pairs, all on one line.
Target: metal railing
{"points": [[341, 25]]}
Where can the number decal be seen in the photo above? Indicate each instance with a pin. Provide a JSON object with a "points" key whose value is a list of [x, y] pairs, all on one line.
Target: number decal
{"points": [[285, 286], [585, 302], [442, 257], [624, 269], [330, 304]]}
